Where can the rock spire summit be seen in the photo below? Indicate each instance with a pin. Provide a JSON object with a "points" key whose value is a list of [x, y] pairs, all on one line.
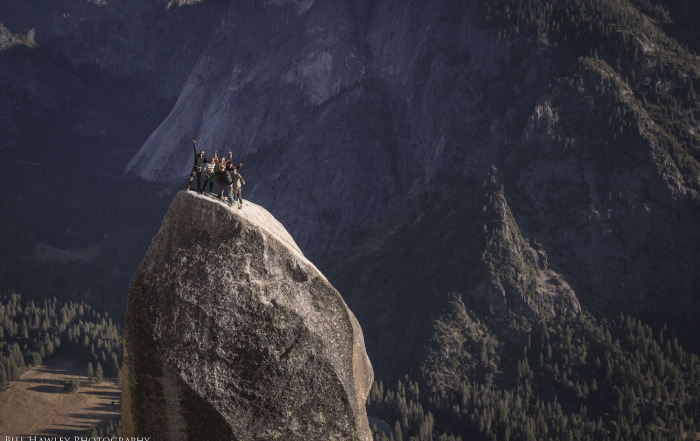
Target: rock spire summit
{"points": [[232, 334]]}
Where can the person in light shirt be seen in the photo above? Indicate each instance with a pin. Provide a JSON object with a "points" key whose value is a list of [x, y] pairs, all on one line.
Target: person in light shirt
{"points": [[238, 183]]}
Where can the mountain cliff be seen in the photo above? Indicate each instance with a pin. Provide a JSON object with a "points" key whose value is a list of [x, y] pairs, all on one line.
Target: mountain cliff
{"points": [[476, 177], [535, 158], [232, 334], [504, 152], [376, 129]]}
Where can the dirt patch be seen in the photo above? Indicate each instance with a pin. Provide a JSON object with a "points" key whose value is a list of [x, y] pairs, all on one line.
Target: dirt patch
{"points": [[35, 405]]}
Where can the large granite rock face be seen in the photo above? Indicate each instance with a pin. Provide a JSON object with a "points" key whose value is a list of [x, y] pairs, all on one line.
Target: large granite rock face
{"points": [[232, 334]]}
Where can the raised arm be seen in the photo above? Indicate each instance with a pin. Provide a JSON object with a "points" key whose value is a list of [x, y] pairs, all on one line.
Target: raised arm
{"points": [[194, 147]]}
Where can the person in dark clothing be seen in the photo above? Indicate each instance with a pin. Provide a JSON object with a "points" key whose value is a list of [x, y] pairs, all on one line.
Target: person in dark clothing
{"points": [[223, 178], [230, 176], [199, 161]]}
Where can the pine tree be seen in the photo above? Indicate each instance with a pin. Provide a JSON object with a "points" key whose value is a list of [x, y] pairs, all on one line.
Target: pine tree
{"points": [[90, 373], [24, 332], [3, 375], [99, 373], [114, 365], [71, 385], [483, 354], [398, 435]]}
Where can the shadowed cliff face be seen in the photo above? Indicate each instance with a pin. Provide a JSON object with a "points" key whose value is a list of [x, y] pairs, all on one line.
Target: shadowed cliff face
{"points": [[232, 334], [361, 121], [87, 79]]}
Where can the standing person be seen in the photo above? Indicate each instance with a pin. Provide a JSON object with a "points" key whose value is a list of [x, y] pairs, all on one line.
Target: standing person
{"points": [[220, 176], [238, 182], [209, 172], [229, 170], [199, 160], [224, 180], [230, 160]]}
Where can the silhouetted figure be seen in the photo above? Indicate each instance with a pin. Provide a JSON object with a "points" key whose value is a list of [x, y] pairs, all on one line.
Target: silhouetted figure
{"points": [[199, 161]]}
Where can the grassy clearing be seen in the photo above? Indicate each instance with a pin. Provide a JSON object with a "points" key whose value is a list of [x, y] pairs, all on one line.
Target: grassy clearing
{"points": [[36, 404]]}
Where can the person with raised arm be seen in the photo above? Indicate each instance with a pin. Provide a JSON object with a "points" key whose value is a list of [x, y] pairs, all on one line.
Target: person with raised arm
{"points": [[199, 161]]}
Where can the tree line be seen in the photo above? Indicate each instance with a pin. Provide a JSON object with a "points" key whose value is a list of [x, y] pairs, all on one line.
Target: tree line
{"points": [[32, 332], [575, 378]]}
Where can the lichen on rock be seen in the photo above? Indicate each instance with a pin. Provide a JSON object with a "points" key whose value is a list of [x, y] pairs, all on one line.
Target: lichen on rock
{"points": [[232, 334]]}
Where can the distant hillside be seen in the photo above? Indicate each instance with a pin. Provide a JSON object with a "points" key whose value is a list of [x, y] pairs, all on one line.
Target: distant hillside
{"points": [[576, 378]]}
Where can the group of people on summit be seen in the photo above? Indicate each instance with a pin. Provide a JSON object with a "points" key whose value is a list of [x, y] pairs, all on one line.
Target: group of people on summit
{"points": [[222, 170]]}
